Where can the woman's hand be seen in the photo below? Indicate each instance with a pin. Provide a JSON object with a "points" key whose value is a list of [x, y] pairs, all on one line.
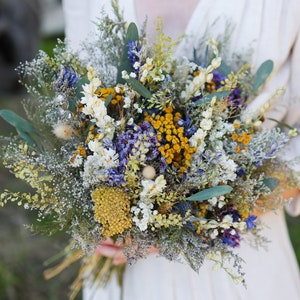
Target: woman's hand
{"points": [[286, 194], [112, 250], [115, 251]]}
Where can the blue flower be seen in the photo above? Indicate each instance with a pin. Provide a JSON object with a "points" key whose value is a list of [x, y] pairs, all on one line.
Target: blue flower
{"points": [[133, 49], [66, 78], [189, 129], [250, 222], [240, 172]]}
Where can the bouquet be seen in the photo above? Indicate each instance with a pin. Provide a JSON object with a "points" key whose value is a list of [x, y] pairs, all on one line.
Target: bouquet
{"points": [[129, 143]]}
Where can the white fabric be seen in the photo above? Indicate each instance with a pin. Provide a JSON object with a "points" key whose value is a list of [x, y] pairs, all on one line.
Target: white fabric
{"points": [[272, 29]]}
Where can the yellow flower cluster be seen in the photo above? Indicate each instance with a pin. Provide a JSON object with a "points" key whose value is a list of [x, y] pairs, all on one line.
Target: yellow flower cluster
{"points": [[112, 210], [243, 139], [166, 221], [104, 93], [173, 145]]}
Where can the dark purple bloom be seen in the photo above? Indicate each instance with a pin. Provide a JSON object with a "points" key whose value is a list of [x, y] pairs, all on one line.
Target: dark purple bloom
{"points": [[250, 222], [231, 237], [240, 172], [218, 78]]}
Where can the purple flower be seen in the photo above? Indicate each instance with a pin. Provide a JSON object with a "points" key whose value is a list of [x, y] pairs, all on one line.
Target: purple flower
{"points": [[235, 98], [250, 222], [138, 141], [231, 237], [115, 178], [218, 78]]}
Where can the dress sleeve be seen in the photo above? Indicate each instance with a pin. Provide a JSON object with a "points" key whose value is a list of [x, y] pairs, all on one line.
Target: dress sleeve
{"points": [[293, 118], [80, 17]]}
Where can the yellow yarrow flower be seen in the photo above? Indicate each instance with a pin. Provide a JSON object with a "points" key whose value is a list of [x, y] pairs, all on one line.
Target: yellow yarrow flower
{"points": [[112, 210]]}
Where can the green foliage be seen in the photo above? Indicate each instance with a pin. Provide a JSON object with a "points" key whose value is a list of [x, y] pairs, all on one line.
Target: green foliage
{"points": [[131, 35], [210, 193], [262, 74], [271, 183], [24, 129], [208, 98], [139, 88]]}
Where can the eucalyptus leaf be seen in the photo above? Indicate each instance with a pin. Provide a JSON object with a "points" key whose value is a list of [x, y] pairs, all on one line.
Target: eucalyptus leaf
{"points": [[262, 74], [24, 129], [271, 183], [108, 99], [139, 88], [132, 34], [224, 69], [210, 193], [79, 86], [207, 99], [26, 137], [72, 104], [16, 121]]}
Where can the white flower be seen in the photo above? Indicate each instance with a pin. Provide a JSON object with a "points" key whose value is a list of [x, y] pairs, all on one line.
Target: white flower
{"points": [[76, 161], [197, 138], [136, 65], [130, 121], [207, 114], [138, 108], [206, 124], [125, 75], [59, 99], [143, 214], [127, 102], [152, 188], [214, 234], [108, 157], [93, 171]]}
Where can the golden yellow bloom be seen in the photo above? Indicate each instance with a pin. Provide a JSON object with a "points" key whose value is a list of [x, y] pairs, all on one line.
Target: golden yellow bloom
{"points": [[234, 136], [104, 93], [112, 209], [173, 145]]}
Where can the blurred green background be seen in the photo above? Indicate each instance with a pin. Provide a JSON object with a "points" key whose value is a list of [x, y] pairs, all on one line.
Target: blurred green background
{"points": [[22, 253]]}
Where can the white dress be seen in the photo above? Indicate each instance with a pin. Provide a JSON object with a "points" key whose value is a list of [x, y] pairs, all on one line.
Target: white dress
{"points": [[272, 29]]}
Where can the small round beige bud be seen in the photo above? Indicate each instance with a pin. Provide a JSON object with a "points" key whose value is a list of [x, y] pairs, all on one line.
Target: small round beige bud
{"points": [[148, 172], [63, 131]]}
